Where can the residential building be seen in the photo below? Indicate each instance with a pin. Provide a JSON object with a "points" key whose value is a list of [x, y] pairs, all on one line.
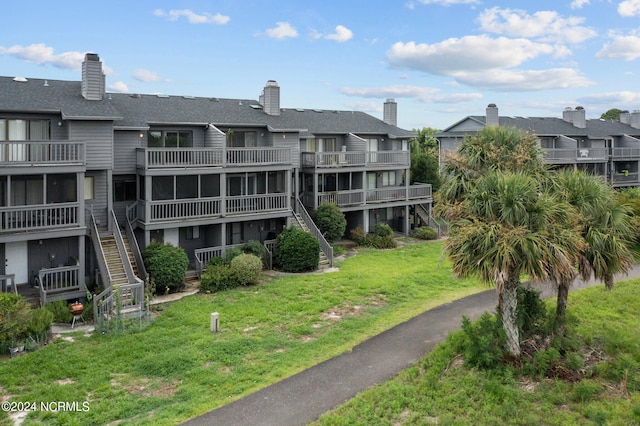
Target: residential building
{"points": [[89, 178], [606, 148]]}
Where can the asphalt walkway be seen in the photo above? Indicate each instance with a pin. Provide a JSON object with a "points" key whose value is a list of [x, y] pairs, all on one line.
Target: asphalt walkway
{"points": [[303, 397]]}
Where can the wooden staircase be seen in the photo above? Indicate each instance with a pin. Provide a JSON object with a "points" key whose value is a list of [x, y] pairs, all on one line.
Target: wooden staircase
{"points": [[299, 223], [114, 261]]}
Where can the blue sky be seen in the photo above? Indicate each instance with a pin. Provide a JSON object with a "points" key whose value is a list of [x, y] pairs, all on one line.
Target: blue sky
{"points": [[440, 59]]}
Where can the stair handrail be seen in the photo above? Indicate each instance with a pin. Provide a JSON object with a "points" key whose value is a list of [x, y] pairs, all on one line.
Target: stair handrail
{"points": [[102, 267], [306, 218], [124, 258], [135, 249]]}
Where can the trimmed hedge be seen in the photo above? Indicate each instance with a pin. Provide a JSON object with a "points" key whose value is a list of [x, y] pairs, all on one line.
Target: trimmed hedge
{"points": [[243, 269], [297, 250], [166, 265], [424, 233]]}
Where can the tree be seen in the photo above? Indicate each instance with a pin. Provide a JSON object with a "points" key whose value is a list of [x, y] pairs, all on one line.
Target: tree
{"points": [[605, 225], [424, 158], [612, 114], [512, 227]]}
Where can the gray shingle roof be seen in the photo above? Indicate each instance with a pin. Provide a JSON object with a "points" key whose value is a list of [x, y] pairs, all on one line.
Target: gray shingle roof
{"points": [[140, 111], [595, 128]]}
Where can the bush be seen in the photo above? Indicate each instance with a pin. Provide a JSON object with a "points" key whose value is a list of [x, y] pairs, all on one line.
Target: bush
{"points": [[380, 242], [382, 230], [358, 235], [15, 316], [297, 250], [256, 248], [218, 277], [41, 319], [166, 265], [485, 342], [424, 233], [60, 311], [330, 221], [246, 268]]}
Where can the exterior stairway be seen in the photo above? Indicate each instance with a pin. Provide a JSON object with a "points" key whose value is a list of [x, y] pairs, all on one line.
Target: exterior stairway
{"points": [[114, 261], [299, 222], [130, 255]]}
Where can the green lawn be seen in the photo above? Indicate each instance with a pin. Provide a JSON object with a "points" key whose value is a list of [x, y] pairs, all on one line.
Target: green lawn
{"points": [[605, 329], [176, 369]]}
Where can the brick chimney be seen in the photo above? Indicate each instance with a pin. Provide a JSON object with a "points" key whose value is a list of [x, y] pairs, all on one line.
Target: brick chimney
{"points": [[390, 112], [270, 98], [93, 85], [492, 117]]}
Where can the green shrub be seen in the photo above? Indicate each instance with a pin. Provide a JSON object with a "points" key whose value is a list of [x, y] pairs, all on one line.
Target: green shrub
{"points": [[382, 230], [424, 233], [40, 323], [330, 221], [218, 277], [586, 390], [15, 315], [297, 250], [246, 268], [166, 265], [358, 235], [60, 311], [231, 254], [256, 248], [216, 261], [380, 242], [484, 342], [531, 313]]}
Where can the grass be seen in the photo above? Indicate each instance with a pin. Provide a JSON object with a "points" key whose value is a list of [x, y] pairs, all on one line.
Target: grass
{"points": [[605, 333], [176, 369]]}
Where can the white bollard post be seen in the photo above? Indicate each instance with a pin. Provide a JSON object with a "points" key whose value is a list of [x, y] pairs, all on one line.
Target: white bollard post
{"points": [[215, 322]]}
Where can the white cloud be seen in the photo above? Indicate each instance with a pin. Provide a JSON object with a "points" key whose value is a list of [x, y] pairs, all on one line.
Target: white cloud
{"points": [[544, 25], [192, 17], [425, 94], [622, 47], [43, 54], [629, 8], [612, 98], [469, 53], [148, 76], [282, 30], [578, 4], [119, 86], [524, 80], [341, 35]]}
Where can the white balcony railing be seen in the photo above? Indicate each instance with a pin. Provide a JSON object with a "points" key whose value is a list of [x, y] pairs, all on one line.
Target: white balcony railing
{"points": [[38, 217], [342, 198], [31, 153], [181, 209], [258, 156]]}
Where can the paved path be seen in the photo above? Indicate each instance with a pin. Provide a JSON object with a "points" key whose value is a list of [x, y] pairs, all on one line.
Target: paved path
{"points": [[302, 398]]}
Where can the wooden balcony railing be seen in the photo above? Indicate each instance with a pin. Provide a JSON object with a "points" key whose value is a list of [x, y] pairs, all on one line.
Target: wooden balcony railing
{"points": [[256, 203], [152, 211], [38, 217], [625, 177], [572, 155], [154, 158], [624, 152], [35, 153], [354, 158], [57, 281], [414, 192], [342, 198]]}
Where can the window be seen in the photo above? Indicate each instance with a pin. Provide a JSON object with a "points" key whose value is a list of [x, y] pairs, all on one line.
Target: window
{"points": [[327, 145], [388, 178], [192, 232], [169, 139], [88, 188], [242, 139], [61, 188], [124, 188], [27, 190], [25, 130]]}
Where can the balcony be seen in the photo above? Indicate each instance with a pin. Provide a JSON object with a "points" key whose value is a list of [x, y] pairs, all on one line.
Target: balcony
{"points": [[625, 153], [259, 203], [342, 198], [41, 153], [159, 211], [354, 158], [414, 192], [38, 217], [159, 158], [575, 155], [626, 179]]}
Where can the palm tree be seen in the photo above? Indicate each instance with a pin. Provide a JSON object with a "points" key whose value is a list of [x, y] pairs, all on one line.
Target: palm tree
{"points": [[512, 226], [606, 227]]}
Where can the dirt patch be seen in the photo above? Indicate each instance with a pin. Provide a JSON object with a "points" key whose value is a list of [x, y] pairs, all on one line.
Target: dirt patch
{"points": [[338, 312], [65, 382], [146, 387]]}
